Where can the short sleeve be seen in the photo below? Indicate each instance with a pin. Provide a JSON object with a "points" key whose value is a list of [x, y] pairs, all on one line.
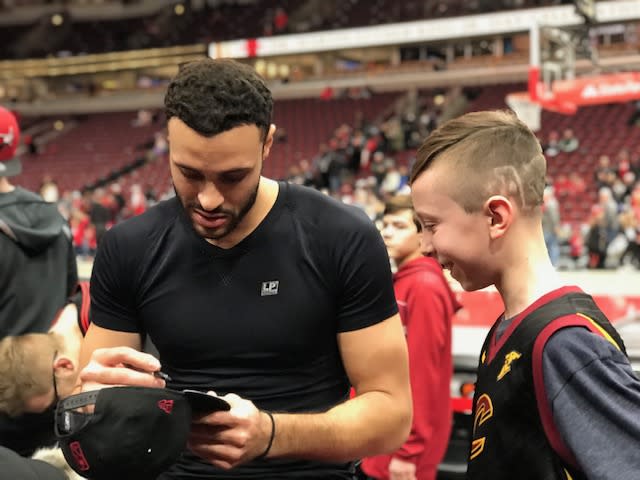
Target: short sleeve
{"points": [[364, 276], [112, 285], [594, 396]]}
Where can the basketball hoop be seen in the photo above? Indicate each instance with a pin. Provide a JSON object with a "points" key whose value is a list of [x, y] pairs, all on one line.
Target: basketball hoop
{"points": [[527, 110]]}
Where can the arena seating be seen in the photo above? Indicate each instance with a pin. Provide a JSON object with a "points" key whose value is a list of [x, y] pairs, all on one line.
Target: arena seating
{"points": [[226, 21]]}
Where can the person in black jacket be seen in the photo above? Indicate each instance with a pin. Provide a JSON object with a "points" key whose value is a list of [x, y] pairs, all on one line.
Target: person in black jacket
{"points": [[38, 272]]}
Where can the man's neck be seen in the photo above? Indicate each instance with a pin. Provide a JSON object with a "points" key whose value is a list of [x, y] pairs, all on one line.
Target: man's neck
{"points": [[266, 198]]}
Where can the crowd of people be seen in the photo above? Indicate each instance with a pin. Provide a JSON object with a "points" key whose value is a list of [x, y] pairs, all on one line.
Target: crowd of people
{"points": [[609, 235], [365, 162]]}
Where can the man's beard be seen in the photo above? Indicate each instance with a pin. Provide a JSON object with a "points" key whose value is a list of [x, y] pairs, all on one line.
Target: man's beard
{"points": [[234, 217]]}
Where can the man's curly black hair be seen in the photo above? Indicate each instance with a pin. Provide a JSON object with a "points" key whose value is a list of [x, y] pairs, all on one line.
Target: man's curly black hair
{"points": [[214, 96]]}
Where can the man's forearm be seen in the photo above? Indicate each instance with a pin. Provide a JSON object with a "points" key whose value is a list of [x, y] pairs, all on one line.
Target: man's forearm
{"points": [[369, 424]]}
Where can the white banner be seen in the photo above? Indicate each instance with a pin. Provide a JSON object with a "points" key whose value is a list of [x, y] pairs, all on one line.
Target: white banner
{"points": [[506, 22]]}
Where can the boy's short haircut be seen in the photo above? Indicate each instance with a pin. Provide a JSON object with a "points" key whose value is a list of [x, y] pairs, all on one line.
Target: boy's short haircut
{"points": [[26, 369], [399, 203], [489, 153]]}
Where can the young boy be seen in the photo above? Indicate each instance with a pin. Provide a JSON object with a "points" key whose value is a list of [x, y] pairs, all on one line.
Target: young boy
{"points": [[426, 305], [555, 397], [37, 369]]}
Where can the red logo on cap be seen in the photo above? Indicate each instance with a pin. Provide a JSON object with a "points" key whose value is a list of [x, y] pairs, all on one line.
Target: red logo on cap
{"points": [[7, 139], [166, 405], [78, 456], [9, 135]]}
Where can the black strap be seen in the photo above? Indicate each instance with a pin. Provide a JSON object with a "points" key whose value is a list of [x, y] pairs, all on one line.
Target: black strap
{"points": [[79, 400]]}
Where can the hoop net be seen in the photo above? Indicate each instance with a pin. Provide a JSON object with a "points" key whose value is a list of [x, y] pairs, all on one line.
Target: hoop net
{"points": [[527, 110]]}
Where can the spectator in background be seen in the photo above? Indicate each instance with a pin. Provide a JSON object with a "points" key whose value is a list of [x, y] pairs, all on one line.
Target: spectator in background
{"points": [[623, 160], [568, 143], [622, 239], [634, 163], [634, 118], [138, 200], [37, 273], [609, 208], [160, 146], [630, 226], [634, 201], [392, 179], [551, 224], [143, 118], [552, 147], [280, 21], [378, 168], [320, 165], [118, 201], [100, 212], [597, 241], [604, 172], [560, 186], [576, 185], [49, 189], [576, 244], [427, 306]]}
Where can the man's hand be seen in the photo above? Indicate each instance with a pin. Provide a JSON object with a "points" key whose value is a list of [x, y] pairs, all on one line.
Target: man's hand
{"points": [[401, 470], [228, 439], [114, 366]]}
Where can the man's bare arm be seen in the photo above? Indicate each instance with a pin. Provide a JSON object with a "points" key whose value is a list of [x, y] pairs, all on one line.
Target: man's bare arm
{"points": [[104, 354], [377, 420]]}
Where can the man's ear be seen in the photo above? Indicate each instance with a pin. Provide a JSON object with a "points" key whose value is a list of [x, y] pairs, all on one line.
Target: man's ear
{"points": [[498, 211], [268, 142]]}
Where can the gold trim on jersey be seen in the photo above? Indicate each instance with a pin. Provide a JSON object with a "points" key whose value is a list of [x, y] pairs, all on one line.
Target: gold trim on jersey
{"points": [[600, 329]]}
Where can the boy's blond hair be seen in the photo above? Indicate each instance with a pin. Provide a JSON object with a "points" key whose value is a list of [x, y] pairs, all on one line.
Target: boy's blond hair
{"points": [[488, 153], [26, 369]]}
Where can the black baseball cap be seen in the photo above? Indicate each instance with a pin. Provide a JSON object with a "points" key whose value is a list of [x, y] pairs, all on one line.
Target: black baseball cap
{"points": [[133, 433], [16, 467]]}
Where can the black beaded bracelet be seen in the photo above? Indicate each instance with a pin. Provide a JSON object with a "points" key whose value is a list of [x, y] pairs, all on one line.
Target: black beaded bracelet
{"points": [[273, 435]]}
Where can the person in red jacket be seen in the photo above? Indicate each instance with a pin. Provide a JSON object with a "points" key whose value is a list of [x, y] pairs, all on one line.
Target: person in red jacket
{"points": [[426, 305]]}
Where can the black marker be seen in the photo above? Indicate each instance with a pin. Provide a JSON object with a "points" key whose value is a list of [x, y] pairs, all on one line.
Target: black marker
{"points": [[158, 374], [162, 375]]}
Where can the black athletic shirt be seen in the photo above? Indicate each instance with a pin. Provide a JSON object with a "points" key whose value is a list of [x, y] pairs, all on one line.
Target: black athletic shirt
{"points": [[260, 319]]}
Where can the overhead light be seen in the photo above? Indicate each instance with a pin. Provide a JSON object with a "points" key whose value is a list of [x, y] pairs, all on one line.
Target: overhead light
{"points": [[57, 20], [179, 9]]}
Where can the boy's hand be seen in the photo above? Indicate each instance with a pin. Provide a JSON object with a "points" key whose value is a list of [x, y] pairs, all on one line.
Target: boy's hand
{"points": [[401, 470]]}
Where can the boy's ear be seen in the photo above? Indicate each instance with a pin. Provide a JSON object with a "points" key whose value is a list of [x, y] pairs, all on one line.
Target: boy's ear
{"points": [[63, 364], [498, 211]]}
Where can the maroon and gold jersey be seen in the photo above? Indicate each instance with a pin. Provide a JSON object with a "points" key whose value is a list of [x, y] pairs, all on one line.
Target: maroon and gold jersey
{"points": [[513, 431]]}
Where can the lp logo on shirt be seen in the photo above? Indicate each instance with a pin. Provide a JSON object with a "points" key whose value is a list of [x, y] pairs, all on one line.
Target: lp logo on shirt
{"points": [[269, 288]]}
